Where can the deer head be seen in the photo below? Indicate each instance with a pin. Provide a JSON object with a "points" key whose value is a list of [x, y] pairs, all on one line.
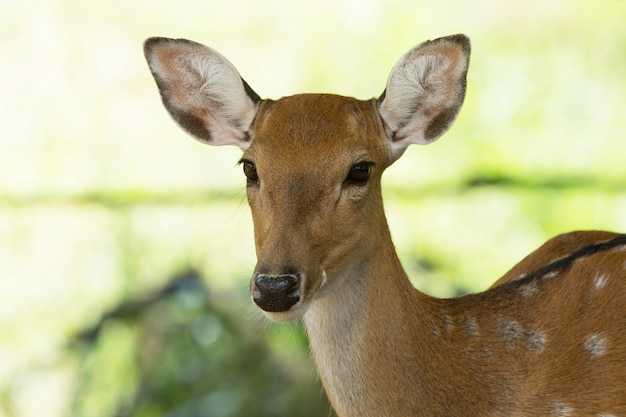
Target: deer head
{"points": [[313, 162]]}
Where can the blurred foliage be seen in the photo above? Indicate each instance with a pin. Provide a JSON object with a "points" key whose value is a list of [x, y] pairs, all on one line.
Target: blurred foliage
{"points": [[182, 351], [102, 197]]}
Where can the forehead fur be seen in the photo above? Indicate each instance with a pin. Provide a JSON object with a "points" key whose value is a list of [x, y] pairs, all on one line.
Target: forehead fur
{"points": [[320, 120]]}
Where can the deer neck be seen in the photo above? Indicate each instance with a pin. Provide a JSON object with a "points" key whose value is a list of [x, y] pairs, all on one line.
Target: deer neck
{"points": [[373, 331]]}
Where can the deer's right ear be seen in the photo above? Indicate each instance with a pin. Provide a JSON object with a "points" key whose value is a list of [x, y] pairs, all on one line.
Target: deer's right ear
{"points": [[202, 91]]}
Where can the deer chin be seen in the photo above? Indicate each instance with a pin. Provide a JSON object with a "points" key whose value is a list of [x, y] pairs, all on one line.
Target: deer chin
{"points": [[294, 313]]}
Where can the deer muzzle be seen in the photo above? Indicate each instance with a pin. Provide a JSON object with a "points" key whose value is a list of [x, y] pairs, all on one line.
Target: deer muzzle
{"points": [[276, 293]]}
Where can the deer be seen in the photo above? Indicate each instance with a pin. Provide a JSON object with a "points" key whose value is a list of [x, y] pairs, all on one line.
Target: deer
{"points": [[547, 339]]}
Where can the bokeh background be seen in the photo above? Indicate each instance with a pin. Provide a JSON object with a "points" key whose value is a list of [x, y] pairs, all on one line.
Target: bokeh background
{"points": [[126, 247]]}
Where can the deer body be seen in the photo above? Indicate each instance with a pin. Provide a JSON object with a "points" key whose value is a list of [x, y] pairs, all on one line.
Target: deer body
{"points": [[549, 339], [484, 354]]}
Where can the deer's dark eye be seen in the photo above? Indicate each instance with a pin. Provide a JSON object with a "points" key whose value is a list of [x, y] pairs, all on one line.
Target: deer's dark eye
{"points": [[249, 170], [359, 173]]}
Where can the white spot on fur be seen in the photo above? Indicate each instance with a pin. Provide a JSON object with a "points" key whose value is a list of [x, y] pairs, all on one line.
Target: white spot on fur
{"points": [[447, 322], [510, 331], [551, 275], [469, 354], [595, 345], [605, 415], [535, 341], [520, 277], [561, 409], [599, 281], [487, 355], [471, 327], [581, 259], [528, 289], [560, 258]]}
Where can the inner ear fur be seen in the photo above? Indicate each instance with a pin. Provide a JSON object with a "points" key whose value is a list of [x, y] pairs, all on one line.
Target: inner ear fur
{"points": [[202, 91], [425, 91]]}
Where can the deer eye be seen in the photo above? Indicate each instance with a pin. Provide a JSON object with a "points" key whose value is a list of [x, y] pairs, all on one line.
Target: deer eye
{"points": [[359, 173], [249, 170]]}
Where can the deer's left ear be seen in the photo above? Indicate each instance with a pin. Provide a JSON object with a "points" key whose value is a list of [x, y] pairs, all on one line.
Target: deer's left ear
{"points": [[425, 91]]}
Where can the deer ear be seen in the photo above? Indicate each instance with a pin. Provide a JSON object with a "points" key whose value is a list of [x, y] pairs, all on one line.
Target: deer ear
{"points": [[202, 91], [425, 91]]}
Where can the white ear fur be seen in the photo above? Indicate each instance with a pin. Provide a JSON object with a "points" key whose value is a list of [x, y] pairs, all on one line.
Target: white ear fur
{"points": [[425, 91], [202, 91]]}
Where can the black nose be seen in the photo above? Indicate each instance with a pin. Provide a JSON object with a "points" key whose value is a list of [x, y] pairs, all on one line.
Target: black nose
{"points": [[276, 293]]}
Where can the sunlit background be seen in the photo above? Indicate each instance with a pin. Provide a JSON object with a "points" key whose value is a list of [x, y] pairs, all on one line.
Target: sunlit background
{"points": [[125, 246]]}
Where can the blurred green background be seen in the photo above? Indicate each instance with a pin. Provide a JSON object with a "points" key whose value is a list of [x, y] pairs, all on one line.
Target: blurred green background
{"points": [[126, 247]]}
